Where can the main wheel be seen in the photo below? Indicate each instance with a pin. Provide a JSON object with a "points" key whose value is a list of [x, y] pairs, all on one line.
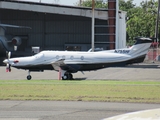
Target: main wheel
{"points": [[64, 77], [29, 77], [67, 76]]}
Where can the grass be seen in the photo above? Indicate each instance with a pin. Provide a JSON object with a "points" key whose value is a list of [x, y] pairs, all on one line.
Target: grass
{"points": [[106, 91]]}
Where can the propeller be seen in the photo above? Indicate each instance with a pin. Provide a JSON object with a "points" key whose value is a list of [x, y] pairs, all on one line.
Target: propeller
{"points": [[8, 66], [9, 55]]}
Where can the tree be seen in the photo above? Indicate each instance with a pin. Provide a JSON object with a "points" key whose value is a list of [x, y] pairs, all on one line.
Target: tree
{"points": [[129, 7], [126, 5], [141, 20], [98, 4]]}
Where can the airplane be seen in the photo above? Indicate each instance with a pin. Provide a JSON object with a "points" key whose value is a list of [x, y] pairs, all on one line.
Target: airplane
{"points": [[68, 62], [9, 44]]}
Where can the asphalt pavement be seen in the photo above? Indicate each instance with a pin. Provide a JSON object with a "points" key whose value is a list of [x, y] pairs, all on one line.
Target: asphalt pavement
{"points": [[66, 110]]}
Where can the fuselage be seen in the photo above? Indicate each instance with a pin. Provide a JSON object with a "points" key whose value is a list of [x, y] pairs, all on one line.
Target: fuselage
{"points": [[84, 60]]}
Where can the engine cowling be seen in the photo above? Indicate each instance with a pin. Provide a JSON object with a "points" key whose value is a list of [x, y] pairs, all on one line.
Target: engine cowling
{"points": [[16, 41]]}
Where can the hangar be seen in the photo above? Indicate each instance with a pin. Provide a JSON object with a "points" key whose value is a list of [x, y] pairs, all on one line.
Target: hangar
{"points": [[58, 27]]}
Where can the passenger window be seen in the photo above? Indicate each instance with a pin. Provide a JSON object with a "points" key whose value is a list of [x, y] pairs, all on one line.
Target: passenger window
{"points": [[71, 57], [82, 58]]}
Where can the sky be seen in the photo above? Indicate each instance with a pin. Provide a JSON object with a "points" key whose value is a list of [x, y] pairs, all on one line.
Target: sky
{"points": [[71, 2]]}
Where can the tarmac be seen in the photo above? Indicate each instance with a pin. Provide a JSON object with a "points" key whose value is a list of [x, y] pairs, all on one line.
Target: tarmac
{"points": [[67, 110]]}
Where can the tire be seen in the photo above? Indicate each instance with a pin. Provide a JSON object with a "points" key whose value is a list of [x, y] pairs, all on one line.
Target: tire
{"points": [[29, 77], [65, 77], [70, 76]]}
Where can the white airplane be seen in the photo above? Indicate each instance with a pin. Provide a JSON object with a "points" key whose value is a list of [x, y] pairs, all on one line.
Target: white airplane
{"points": [[68, 62]]}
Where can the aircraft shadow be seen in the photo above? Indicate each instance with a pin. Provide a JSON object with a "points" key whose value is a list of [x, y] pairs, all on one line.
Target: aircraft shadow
{"points": [[151, 66], [79, 79]]}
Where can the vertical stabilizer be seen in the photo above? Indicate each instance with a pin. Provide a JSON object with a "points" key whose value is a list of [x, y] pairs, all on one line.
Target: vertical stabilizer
{"points": [[140, 47]]}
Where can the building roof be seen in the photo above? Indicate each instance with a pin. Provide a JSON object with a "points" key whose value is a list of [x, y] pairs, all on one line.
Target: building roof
{"points": [[53, 9]]}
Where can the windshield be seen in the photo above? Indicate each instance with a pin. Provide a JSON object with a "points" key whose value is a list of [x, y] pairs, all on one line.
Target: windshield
{"points": [[39, 55]]}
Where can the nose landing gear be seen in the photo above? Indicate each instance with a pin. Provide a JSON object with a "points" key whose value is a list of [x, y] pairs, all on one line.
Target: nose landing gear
{"points": [[29, 77]]}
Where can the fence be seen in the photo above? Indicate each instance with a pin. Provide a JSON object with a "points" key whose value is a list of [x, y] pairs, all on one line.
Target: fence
{"points": [[153, 54]]}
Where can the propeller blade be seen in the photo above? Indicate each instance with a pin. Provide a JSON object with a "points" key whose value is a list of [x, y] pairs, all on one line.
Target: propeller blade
{"points": [[7, 67], [6, 61], [9, 55]]}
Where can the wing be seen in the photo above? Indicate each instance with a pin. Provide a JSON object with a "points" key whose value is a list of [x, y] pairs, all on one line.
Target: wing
{"points": [[14, 26], [67, 67]]}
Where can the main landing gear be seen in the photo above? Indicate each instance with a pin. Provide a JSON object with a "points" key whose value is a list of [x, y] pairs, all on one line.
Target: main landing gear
{"points": [[29, 77], [67, 76]]}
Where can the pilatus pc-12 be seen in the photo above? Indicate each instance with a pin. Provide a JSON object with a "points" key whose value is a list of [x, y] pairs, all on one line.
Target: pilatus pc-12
{"points": [[68, 62]]}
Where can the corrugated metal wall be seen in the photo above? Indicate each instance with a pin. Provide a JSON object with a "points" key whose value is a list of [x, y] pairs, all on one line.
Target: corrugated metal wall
{"points": [[52, 31]]}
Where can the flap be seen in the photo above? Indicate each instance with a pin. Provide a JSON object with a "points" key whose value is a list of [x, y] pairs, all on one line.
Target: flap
{"points": [[67, 67], [57, 64]]}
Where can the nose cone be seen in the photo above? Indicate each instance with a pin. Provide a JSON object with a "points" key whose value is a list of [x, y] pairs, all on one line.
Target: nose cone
{"points": [[5, 61]]}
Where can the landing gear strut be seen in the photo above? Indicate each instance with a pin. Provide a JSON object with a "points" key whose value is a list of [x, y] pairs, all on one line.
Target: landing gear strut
{"points": [[67, 76], [29, 77]]}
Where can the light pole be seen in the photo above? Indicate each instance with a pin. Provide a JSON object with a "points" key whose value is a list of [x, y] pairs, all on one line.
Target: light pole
{"points": [[156, 28], [93, 6], [80, 2], [157, 22]]}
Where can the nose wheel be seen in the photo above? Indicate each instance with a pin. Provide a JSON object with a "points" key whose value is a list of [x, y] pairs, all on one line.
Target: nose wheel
{"points": [[29, 77]]}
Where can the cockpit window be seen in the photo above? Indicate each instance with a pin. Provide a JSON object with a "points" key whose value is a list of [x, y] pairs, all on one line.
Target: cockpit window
{"points": [[39, 55]]}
